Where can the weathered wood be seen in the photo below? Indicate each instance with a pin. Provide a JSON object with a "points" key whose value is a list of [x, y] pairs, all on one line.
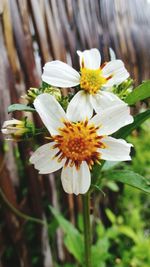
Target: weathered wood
{"points": [[32, 33]]}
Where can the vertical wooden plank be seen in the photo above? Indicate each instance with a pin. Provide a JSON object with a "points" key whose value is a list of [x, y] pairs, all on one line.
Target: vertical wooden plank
{"points": [[24, 48], [6, 82], [13, 224], [56, 44], [40, 30]]}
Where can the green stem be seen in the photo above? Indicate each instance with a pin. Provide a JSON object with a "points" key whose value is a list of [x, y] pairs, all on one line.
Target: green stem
{"points": [[21, 214], [87, 229]]}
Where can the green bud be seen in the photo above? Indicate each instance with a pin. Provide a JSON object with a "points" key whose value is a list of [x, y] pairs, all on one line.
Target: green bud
{"points": [[64, 101], [124, 89], [32, 93], [54, 91]]}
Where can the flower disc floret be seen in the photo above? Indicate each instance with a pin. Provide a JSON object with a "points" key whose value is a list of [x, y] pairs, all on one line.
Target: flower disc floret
{"points": [[78, 142], [91, 80]]}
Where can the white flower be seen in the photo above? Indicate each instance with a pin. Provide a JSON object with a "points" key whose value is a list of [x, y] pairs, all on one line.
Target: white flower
{"points": [[94, 80], [75, 147], [14, 128]]}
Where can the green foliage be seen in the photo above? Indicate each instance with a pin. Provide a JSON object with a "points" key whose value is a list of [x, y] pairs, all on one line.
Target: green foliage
{"points": [[129, 177], [65, 265], [130, 205], [141, 161], [19, 107], [128, 244], [124, 89], [100, 253], [73, 240], [139, 93]]}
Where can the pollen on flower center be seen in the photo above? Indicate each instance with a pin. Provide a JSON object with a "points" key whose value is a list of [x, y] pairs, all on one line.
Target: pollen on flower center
{"points": [[91, 80], [78, 142]]}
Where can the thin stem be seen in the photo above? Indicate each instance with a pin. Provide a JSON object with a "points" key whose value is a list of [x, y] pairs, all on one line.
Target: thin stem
{"points": [[21, 214], [87, 229]]}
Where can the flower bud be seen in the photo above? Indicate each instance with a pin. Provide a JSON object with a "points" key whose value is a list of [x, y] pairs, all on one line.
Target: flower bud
{"points": [[14, 129], [54, 91], [124, 89], [32, 93]]}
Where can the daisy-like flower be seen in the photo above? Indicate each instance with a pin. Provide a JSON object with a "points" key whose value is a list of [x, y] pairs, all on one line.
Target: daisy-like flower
{"points": [[76, 146], [94, 80]]}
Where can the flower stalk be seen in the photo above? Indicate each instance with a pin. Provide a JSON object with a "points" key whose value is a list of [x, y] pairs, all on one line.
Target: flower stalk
{"points": [[87, 229]]}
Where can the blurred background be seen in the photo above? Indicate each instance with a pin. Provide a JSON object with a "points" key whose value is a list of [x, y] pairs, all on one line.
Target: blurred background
{"points": [[31, 33]]}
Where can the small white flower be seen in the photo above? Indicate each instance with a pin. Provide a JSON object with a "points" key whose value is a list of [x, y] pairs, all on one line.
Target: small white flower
{"points": [[14, 128], [75, 147], [94, 80]]}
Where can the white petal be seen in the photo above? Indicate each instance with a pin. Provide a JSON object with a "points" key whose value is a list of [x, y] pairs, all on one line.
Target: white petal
{"points": [[103, 100], [112, 54], [116, 150], [118, 71], [58, 73], [8, 131], [79, 107], [11, 122], [112, 119], [44, 161], [90, 58], [5, 131], [76, 181], [50, 112]]}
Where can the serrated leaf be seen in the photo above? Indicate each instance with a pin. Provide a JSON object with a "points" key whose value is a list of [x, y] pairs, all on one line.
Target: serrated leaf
{"points": [[73, 240], [131, 178], [19, 107], [138, 120], [139, 93]]}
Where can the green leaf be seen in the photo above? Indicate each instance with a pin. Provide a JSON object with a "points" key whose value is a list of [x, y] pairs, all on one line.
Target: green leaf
{"points": [[131, 178], [111, 216], [138, 120], [73, 239], [126, 230], [112, 186], [100, 252], [20, 107], [139, 93]]}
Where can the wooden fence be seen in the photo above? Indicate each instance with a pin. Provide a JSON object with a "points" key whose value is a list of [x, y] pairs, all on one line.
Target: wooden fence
{"points": [[33, 32]]}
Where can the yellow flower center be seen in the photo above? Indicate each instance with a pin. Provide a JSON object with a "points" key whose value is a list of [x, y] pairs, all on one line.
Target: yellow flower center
{"points": [[92, 80], [78, 142]]}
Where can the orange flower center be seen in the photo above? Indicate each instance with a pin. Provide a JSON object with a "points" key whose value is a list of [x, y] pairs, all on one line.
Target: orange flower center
{"points": [[78, 142]]}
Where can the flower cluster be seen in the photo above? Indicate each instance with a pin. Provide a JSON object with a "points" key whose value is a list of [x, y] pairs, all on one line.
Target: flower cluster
{"points": [[80, 137]]}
